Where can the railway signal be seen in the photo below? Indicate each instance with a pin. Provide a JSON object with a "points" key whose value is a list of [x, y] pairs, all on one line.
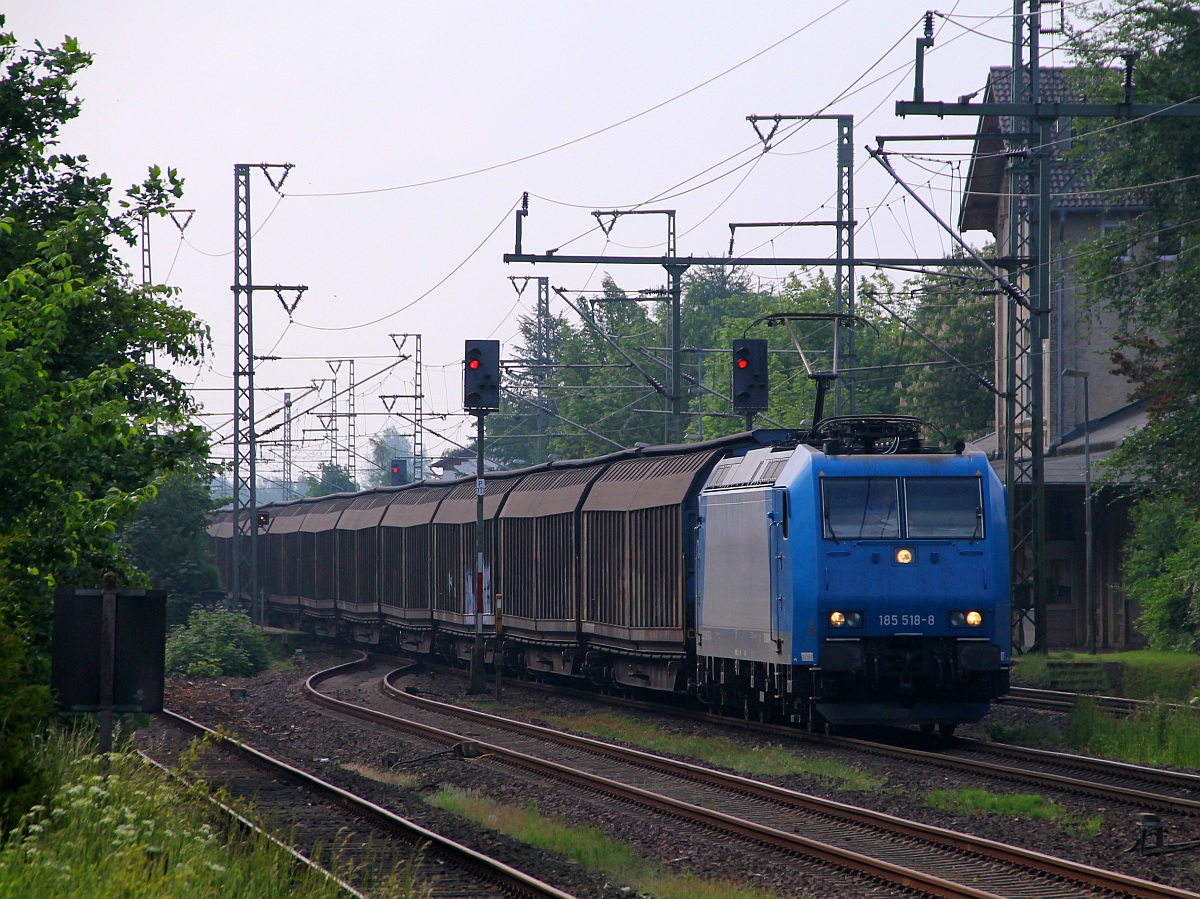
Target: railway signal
{"points": [[399, 473], [481, 376], [749, 376]]}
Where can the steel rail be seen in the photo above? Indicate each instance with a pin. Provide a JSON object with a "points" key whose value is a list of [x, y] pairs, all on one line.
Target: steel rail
{"points": [[508, 879], [1026, 859]]}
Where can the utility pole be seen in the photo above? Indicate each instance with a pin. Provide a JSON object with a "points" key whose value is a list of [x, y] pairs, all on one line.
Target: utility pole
{"points": [[287, 446], [340, 449], [1028, 262], [675, 272], [418, 398], [245, 450], [843, 274], [541, 357]]}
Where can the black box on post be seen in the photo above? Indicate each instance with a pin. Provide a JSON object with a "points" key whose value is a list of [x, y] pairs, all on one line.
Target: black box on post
{"points": [[138, 654]]}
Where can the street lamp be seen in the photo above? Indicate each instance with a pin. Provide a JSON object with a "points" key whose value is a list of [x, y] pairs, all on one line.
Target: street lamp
{"points": [[1087, 509]]}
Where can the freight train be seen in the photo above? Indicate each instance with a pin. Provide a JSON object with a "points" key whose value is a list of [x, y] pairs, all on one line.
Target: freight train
{"points": [[849, 574]]}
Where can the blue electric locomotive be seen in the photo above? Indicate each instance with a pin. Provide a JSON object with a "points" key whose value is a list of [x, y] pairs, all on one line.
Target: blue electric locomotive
{"points": [[859, 577]]}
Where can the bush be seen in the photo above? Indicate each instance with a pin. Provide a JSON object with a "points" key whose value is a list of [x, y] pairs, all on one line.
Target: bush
{"points": [[1162, 572], [24, 710], [214, 643]]}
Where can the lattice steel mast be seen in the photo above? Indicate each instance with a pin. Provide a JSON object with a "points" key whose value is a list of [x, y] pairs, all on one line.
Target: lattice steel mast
{"points": [[245, 451]]}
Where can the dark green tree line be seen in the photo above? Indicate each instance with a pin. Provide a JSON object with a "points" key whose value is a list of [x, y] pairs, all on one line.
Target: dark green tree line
{"points": [[609, 353]]}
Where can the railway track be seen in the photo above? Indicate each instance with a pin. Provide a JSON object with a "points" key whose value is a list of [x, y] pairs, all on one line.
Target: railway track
{"points": [[352, 840], [1063, 701], [855, 842], [1138, 786]]}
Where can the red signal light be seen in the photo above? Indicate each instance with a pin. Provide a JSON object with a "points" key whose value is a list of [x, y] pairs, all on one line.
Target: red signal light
{"points": [[743, 363], [473, 364]]}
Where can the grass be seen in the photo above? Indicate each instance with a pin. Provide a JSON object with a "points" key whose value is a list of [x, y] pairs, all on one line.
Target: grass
{"points": [[1145, 674], [117, 828], [1034, 735], [758, 761], [973, 801], [392, 778], [588, 847], [1159, 735]]}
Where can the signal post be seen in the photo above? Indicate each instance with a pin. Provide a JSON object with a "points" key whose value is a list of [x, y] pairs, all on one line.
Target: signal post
{"points": [[481, 395]]}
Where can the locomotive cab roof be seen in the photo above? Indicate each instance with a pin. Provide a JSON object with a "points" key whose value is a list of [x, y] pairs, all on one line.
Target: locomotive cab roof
{"points": [[848, 435]]}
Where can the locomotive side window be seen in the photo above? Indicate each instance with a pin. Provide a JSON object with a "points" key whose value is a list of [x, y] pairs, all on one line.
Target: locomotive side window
{"points": [[944, 508], [860, 508]]}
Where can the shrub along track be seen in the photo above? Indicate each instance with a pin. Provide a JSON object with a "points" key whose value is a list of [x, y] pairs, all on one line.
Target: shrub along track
{"points": [[889, 851]]}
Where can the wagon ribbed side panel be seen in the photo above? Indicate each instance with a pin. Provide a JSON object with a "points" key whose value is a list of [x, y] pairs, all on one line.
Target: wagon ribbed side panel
{"points": [[405, 561], [636, 551]]}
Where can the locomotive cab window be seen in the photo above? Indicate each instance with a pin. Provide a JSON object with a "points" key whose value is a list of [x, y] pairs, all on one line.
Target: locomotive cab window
{"points": [[944, 508], [860, 508]]}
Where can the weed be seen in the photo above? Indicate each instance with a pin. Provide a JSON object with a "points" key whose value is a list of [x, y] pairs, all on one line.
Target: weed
{"points": [[761, 761], [972, 801], [589, 847]]}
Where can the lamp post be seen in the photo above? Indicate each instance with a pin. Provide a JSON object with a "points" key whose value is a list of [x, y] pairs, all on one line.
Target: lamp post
{"points": [[1087, 508]]}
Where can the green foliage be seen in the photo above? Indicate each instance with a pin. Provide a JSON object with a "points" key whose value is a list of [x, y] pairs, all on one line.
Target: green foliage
{"points": [[216, 643], [1148, 271], [1162, 735], [387, 445], [116, 827], [612, 392], [24, 708], [972, 801], [588, 847], [1169, 676], [1141, 674], [1036, 735], [168, 541], [88, 423], [1162, 571], [330, 478], [755, 761]]}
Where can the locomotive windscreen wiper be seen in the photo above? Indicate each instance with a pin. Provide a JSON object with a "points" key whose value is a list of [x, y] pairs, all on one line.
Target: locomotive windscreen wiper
{"points": [[828, 523]]}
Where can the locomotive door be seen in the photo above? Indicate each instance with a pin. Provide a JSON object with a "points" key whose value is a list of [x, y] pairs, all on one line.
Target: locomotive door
{"points": [[780, 568]]}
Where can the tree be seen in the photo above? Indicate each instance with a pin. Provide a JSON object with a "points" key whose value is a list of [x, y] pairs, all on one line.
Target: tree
{"points": [[168, 541], [87, 422], [387, 445], [1148, 270], [947, 333], [330, 478]]}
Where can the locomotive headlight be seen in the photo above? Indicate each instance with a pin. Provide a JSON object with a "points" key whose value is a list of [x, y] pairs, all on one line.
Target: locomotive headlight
{"points": [[966, 619], [904, 556], [845, 619]]}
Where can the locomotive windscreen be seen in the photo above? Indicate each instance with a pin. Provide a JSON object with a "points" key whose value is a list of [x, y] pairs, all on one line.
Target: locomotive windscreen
{"points": [[946, 508], [861, 508]]}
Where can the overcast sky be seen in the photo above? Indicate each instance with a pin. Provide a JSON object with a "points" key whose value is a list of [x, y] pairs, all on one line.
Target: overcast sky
{"points": [[415, 128]]}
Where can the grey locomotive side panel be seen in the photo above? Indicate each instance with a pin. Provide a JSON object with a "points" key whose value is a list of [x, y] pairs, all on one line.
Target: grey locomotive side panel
{"points": [[739, 595]]}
